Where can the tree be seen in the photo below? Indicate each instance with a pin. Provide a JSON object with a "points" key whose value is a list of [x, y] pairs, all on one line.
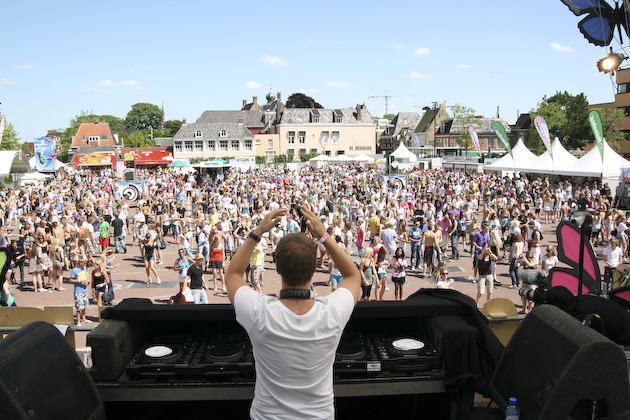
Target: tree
{"points": [[171, 127], [567, 118], [10, 139], [467, 116], [389, 116], [139, 139], [612, 118], [143, 116], [300, 100]]}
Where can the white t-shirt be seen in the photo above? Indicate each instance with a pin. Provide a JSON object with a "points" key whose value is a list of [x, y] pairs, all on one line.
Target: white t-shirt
{"points": [[613, 256], [294, 353], [549, 263]]}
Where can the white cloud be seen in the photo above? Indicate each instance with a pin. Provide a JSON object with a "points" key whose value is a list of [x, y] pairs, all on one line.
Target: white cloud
{"points": [[253, 85], [6, 82], [401, 46], [95, 90], [140, 67], [464, 66], [125, 84], [343, 85], [25, 66], [274, 61], [421, 51], [561, 48], [313, 90], [416, 75]]}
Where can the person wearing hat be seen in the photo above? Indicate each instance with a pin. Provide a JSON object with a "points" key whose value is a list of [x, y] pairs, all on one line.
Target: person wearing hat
{"points": [[194, 280]]}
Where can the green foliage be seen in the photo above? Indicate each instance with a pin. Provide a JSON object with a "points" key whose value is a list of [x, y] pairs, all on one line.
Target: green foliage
{"points": [[196, 160], [284, 158], [467, 115], [307, 157], [300, 100], [10, 139], [260, 160], [389, 116], [143, 116], [171, 127], [612, 118], [139, 139], [567, 118]]}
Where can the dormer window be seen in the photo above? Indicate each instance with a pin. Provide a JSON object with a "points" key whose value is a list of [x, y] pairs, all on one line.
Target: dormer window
{"points": [[315, 116], [337, 116], [198, 133], [93, 139], [222, 133]]}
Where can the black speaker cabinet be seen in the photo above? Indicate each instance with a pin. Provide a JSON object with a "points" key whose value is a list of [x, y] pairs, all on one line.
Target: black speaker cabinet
{"points": [[41, 377], [555, 367], [113, 344]]}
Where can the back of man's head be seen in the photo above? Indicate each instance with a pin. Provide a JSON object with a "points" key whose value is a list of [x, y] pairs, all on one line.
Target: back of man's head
{"points": [[296, 259]]}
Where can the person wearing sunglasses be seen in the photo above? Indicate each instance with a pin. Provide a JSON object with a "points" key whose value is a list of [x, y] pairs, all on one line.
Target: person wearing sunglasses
{"points": [[443, 282]]}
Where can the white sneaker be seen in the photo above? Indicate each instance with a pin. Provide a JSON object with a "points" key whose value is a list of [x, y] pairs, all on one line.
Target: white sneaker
{"points": [[386, 289]]}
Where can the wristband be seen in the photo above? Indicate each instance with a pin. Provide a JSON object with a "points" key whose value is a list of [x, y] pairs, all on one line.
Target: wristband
{"points": [[323, 238], [255, 237]]}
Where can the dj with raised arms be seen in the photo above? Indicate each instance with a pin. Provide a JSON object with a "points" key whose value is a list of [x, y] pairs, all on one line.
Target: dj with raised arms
{"points": [[294, 336]]}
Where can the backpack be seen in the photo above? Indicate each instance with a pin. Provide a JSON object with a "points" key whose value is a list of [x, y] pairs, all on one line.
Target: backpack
{"points": [[539, 233]]}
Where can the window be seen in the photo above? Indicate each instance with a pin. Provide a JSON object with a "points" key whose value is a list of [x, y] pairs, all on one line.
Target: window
{"points": [[270, 143], [212, 145], [103, 136], [236, 145], [291, 137], [93, 139], [625, 109], [335, 137], [315, 119], [338, 116], [223, 145], [198, 146], [313, 151], [222, 133], [324, 137], [177, 146], [327, 152], [290, 151], [269, 155], [248, 146], [315, 116], [302, 151], [197, 133], [341, 152], [623, 88], [302, 137], [188, 146]]}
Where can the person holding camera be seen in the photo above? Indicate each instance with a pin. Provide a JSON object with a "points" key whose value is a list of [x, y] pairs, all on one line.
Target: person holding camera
{"points": [[485, 284], [294, 337], [528, 263]]}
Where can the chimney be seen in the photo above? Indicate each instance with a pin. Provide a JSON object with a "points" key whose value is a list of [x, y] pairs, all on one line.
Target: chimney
{"points": [[312, 105], [240, 121], [278, 106], [184, 121], [255, 104], [244, 103], [358, 113]]}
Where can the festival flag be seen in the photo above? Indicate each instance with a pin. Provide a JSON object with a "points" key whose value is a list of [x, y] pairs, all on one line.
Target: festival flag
{"points": [[596, 125], [416, 139], [1, 128], [321, 142], [543, 131], [475, 138], [499, 130]]}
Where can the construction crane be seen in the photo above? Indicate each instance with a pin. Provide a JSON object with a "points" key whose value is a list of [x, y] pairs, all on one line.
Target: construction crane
{"points": [[386, 96]]}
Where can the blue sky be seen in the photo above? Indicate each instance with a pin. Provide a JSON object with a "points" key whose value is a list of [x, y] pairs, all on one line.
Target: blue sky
{"points": [[59, 58]]}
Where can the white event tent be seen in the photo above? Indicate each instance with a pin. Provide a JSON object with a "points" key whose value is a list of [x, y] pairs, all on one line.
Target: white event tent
{"points": [[403, 153], [609, 168], [545, 164], [521, 154]]}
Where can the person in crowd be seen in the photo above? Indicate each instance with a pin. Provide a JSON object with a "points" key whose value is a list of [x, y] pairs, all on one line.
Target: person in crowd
{"points": [[181, 265], [398, 264], [381, 263], [443, 281], [368, 273], [100, 281], [150, 244], [194, 280], [291, 324], [79, 277], [217, 251], [485, 282]]}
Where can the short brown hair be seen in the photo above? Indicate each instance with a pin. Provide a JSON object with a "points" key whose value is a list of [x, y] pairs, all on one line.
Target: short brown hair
{"points": [[296, 259]]}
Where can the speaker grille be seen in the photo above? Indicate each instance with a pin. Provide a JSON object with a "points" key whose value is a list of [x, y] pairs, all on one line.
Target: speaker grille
{"points": [[44, 379]]}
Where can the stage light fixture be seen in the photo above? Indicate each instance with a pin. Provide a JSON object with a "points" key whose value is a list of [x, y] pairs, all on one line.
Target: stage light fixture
{"points": [[611, 62]]}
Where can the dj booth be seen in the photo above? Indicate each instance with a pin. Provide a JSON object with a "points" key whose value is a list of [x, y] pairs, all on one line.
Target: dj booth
{"points": [[150, 357]]}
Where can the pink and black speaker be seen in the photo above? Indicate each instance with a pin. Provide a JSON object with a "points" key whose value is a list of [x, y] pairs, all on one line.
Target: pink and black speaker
{"points": [[41, 378]]}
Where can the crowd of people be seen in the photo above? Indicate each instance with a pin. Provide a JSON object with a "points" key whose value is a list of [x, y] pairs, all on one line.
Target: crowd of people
{"points": [[76, 222]]}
